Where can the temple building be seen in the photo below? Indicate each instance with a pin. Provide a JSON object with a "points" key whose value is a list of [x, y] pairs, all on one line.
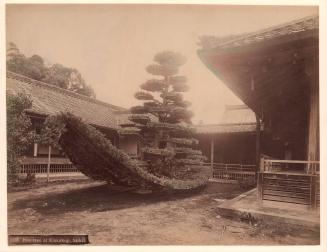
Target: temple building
{"points": [[275, 72], [50, 100], [232, 141]]}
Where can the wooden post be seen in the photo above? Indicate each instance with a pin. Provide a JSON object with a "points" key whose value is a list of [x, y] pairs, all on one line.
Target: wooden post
{"points": [[260, 187], [257, 145], [312, 70], [49, 162], [262, 165], [313, 192], [35, 150], [260, 180], [212, 152]]}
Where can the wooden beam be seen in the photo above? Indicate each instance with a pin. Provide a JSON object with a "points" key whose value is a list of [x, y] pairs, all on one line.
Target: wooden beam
{"points": [[49, 162], [257, 145], [212, 152], [35, 150], [313, 134]]}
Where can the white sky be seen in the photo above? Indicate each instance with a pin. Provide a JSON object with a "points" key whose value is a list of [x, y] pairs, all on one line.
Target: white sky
{"points": [[112, 44]]}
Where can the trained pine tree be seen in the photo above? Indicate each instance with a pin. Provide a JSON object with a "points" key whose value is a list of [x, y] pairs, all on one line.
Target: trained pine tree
{"points": [[168, 159], [168, 145]]}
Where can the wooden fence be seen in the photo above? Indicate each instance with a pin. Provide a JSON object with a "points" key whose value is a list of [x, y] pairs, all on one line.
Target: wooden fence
{"points": [[232, 172], [290, 181], [42, 168]]}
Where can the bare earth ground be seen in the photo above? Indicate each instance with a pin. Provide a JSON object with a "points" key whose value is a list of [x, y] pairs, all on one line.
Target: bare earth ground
{"points": [[114, 216]]}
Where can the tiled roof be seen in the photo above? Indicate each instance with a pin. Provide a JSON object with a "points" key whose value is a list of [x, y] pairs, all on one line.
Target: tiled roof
{"points": [[236, 118], [300, 25], [227, 128], [49, 100], [238, 114]]}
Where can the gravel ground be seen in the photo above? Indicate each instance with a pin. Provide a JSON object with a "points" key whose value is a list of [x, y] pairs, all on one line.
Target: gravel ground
{"points": [[112, 215]]}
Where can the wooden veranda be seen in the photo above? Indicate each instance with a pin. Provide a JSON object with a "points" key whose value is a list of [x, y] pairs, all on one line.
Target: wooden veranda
{"points": [[290, 181]]}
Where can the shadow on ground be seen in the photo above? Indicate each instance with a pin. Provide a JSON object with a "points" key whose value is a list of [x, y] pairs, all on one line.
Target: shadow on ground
{"points": [[95, 199], [107, 197]]}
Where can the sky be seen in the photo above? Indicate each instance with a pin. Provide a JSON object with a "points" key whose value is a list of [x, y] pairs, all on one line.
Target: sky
{"points": [[111, 45]]}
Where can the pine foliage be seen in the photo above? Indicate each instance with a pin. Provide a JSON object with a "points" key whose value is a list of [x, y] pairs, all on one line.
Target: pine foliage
{"points": [[169, 146], [95, 156]]}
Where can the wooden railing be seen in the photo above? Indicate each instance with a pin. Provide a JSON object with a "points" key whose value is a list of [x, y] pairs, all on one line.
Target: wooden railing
{"points": [[297, 166], [290, 181], [232, 172], [42, 168]]}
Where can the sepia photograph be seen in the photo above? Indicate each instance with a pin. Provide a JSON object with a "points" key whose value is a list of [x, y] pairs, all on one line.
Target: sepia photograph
{"points": [[162, 124]]}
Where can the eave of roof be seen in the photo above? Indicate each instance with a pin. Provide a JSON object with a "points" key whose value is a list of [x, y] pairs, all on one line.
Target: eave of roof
{"points": [[234, 62], [66, 92], [49, 99], [290, 28], [225, 128]]}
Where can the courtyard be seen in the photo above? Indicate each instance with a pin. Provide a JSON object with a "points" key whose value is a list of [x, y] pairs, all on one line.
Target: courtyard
{"points": [[112, 215]]}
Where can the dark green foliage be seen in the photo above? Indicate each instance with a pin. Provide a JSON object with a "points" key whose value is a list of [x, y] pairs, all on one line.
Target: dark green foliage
{"points": [[180, 87], [138, 110], [169, 58], [168, 142], [172, 96], [154, 85], [143, 96], [184, 141], [139, 118], [161, 70], [95, 156], [57, 74], [167, 152], [19, 131], [178, 79], [174, 129], [183, 104], [51, 132]]}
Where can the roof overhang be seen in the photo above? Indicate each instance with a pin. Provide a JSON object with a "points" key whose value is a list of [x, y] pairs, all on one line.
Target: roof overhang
{"points": [[267, 71], [219, 129]]}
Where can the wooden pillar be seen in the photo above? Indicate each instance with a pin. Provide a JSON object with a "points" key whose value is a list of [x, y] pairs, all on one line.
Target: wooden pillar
{"points": [[49, 162], [260, 187], [35, 150], [212, 152], [313, 192], [313, 130], [260, 180], [257, 145]]}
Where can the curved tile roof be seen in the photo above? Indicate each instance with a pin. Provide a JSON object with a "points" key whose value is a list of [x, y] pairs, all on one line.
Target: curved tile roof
{"points": [[236, 118], [293, 27], [49, 99]]}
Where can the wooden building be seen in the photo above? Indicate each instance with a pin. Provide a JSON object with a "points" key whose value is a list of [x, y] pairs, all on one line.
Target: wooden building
{"points": [[230, 146], [275, 72], [50, 100], [232, 141]]}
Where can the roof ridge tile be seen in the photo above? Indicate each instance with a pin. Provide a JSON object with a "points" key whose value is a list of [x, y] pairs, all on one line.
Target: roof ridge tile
{"points": [[42, 84]]}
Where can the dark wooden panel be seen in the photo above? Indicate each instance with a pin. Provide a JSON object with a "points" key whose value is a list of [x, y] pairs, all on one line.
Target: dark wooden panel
{"points": [[290, 188], [286, 199]]}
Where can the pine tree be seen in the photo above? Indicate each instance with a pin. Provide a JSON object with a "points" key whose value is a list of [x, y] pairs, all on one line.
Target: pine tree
{"points": [[168, 145], [168, 157]]}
